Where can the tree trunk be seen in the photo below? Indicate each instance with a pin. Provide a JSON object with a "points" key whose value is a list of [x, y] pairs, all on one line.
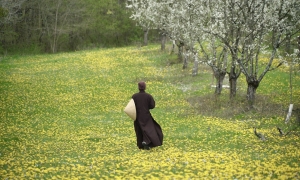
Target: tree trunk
{"points": [[146, 30], [173, 47], [185, 62], [180, 50], [253, 84], [195, 68], [55, 30], [288, 43], [219, 75], [298, 46], [233, 76], [232, 84], [163, 41]]}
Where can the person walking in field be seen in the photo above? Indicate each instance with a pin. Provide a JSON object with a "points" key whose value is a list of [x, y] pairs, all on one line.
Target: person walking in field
{"points": [[148, 132]]}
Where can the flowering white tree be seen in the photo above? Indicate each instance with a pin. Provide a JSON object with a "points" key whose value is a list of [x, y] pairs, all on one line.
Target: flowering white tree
{"points": [[140, 12], [251, 26], [215, 52], [243, 28], [150, 14], [184, 21], [181, 27]]}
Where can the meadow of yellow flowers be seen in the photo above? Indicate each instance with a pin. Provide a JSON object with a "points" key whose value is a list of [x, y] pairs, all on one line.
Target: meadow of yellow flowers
{"points": [[61, 117]]}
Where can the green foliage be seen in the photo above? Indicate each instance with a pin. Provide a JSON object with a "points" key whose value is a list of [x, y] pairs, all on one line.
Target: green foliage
{"points": [[110, 23], [26, 49], [61, 117], [3, 12], [80, 25]]}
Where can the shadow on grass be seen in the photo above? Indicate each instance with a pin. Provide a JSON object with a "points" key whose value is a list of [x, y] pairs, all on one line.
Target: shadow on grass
{"points": [[238, 108]]}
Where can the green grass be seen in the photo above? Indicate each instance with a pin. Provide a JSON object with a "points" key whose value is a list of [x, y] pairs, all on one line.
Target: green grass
{"points": [[61, 117]]}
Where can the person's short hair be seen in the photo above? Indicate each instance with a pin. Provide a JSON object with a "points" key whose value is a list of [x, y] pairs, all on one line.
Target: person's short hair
{"points": [[142, 85]]}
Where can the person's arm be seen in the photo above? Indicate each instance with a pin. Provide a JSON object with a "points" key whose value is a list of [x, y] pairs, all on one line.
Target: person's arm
{"points": [[152, 103]]}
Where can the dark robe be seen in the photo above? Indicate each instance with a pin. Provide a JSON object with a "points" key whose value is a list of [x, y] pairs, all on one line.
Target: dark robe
{"points": [[146, 128]]}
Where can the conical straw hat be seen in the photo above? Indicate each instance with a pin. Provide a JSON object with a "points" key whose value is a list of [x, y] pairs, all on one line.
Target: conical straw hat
{"points": [[130, 109]]}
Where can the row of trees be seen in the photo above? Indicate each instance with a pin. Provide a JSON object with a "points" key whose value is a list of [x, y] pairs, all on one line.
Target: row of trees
{"points": [[229, 35], [65, 25]]}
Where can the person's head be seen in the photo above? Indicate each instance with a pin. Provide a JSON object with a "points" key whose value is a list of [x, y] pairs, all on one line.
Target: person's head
{"points": [[142, 86]]}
